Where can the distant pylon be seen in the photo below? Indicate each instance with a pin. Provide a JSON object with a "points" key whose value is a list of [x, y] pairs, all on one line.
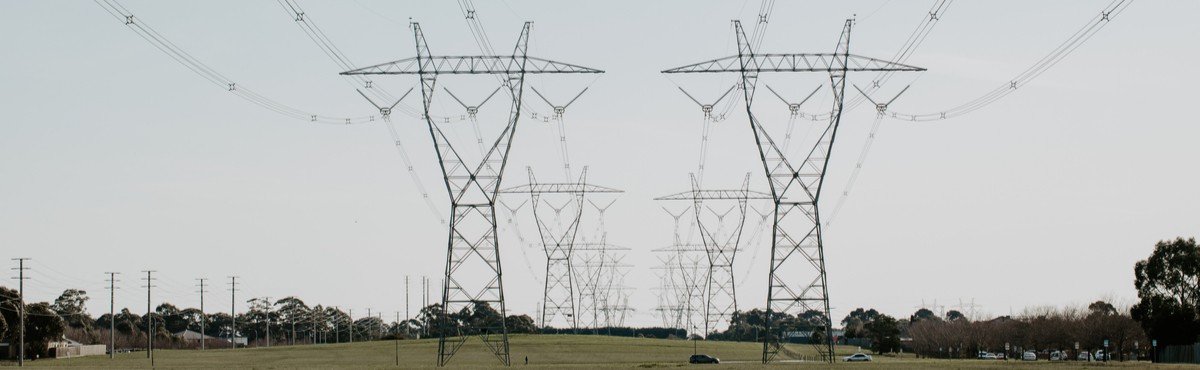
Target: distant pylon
{"points": [[721, 241], [558, 236]]}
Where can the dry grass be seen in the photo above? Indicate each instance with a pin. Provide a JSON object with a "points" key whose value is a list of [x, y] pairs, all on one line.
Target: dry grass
{"points": [[544, 352]]}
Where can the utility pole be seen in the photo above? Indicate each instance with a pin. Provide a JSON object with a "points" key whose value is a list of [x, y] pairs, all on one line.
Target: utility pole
{"points": [[267, 300], [424, 303], [406, 315], [350, 316], [202, 336], [233, 311], [21, 303], [398, 331], [112, 318], [149, 318], [368, 318]]}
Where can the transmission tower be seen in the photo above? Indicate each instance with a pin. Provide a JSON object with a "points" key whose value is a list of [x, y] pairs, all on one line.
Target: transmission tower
{"points": [[473, 273], [682, 263], [721, 241], [558, 236], [797, 281]]}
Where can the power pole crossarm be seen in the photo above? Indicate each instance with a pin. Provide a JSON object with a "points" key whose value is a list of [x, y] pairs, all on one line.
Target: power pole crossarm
{"points": [[470, 65]]}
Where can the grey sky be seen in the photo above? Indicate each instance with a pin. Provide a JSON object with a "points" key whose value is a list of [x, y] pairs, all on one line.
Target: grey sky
{"points": [[116, 158]]}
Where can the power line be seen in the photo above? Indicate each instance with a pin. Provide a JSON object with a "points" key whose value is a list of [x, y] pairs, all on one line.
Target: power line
{"points": [[160, 42], [1039, 67]]}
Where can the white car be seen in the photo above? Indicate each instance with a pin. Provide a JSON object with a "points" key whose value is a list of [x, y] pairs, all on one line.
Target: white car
{"points": [[857, 357], [1029, 356]]}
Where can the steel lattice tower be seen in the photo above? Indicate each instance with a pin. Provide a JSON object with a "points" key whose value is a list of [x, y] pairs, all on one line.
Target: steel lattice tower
{"points": [[473, 272], [797, 281], [559, 242], [720, 247]]}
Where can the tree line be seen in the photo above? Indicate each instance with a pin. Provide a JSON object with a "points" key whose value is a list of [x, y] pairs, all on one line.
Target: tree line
{"points": [[286, 321], [1168, 312]]}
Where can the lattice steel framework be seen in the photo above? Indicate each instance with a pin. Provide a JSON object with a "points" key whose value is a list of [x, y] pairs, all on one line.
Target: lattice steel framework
{"points": [[797, 281], [473, 273], [720, 246], [558, 241], [599, 269]]}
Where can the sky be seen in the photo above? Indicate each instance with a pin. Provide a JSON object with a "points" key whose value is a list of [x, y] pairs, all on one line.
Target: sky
{"points": [[117, 158]]}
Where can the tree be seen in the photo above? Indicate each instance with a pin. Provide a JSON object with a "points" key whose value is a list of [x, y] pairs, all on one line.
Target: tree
{"points": [[923, 314], [192, 317], [954, 315], [1102, 308], [126, 322], [3, 326], [173, 320], [10, 307], [520, 324], [884, 332], [1168, 286], [71, 305], [42, 326], [853, 322], [433, 319], [291, 310]]}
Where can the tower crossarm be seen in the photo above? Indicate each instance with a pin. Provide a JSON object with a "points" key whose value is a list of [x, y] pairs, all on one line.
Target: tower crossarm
{"points": [[820, 62], [716, 194], [559, 188], [474, 64]]}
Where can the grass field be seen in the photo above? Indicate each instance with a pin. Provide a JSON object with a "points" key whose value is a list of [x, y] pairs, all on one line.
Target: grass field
{"points": [[544, 352]]}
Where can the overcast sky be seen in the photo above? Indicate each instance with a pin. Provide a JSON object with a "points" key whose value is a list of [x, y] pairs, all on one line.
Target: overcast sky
{"points": [[117, 158]]}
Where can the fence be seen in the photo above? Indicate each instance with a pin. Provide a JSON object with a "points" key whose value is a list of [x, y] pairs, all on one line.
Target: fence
{"points": [[1187, 353], [78, 350]]}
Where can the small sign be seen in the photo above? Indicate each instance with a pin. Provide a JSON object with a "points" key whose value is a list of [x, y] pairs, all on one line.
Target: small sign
{"points": [[1076, 346], [1106, 343], [1006, 347], [1154, 342]]}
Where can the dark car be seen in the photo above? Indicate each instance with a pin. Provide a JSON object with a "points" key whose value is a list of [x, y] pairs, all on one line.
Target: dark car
{"points": [[704, 359]]}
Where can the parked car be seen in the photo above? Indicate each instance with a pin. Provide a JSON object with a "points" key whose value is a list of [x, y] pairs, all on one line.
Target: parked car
{"points": [[985, 356], [857, 357], [1058, 356], [703, 359], [1001, 356], [1083, 356], [1101, 356], [1029, 356]]}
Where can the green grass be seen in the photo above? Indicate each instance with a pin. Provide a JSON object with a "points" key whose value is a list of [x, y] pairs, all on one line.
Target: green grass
{"points": [[544, 352]]}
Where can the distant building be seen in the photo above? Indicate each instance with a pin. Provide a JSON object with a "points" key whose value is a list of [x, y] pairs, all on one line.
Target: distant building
{"points": [[66, 348], [236, 340], [189, 335]]}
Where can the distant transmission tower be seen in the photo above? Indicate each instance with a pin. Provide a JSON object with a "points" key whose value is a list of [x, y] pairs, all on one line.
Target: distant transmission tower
{"points": [[473, 274], [682, 279], [797, 282], [721, 241], [558, 235]]}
